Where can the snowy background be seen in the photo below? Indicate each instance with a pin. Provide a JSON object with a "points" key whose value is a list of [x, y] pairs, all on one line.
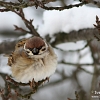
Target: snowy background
{"points": [[50, 22]]}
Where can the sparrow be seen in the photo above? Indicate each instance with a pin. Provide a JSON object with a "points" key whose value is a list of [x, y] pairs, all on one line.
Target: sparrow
{"points": [[33, 58]]}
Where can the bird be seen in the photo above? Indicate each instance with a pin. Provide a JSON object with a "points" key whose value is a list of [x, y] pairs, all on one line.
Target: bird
{"points": [[33, 58]]}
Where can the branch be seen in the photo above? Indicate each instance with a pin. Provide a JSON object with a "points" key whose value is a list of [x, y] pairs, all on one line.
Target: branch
{"points": [[74, 36], [40, 4], [78, 66], [96, 70], [20, 29], [96, 2], [4, 10], [21, 4], [28, 23], [36, 3], [10, 82], [11, 5], [7, 46]]}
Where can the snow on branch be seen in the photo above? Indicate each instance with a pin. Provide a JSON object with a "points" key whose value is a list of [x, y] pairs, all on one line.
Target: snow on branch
{"points": [[61, 37], [74, 36], [21, 4], [40, 4]]}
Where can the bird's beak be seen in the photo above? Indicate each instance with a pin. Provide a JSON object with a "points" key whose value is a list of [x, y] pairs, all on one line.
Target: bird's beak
{"points": [[35, 51]]}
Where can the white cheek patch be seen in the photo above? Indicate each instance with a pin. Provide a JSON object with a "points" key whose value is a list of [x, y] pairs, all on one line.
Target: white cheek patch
{"points": [[28, 51], [46, 45], [41, 53]]}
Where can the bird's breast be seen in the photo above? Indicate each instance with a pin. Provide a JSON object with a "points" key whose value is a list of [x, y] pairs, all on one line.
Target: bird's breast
{"points": [[24, 70]]}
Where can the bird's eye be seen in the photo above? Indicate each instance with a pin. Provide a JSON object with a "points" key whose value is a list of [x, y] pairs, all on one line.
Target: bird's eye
{"points": [[27, 51], [43, 49]]}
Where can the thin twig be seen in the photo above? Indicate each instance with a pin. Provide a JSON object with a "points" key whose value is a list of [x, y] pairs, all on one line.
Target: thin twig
{"points": [[27, 23], [76, 64], [20, 29]]}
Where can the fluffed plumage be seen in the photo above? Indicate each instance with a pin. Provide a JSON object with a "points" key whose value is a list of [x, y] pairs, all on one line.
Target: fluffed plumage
{"points": [[32, 58]]}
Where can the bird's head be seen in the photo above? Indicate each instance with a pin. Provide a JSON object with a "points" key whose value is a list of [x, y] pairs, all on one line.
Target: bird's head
{"points": [[36, 47]]}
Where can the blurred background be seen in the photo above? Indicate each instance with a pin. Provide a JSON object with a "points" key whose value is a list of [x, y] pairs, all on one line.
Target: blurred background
{"points": [[78, 66]]}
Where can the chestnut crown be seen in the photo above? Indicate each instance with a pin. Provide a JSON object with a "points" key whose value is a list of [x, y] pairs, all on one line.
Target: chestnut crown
{"points": [[34, 42], [35, 46]]}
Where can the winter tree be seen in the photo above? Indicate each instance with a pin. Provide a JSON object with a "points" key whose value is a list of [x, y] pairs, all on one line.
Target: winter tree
{"points": [[72, 27]]}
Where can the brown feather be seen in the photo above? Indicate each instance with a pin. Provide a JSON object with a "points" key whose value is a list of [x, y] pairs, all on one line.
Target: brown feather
{"points": [[34, 42], [25, 68]]}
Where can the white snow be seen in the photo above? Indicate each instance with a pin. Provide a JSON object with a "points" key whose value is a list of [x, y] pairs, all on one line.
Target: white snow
{"points": [[53, 21], [68, 20], [72, 45], [7, 20], [4, 68], [25, 36]]}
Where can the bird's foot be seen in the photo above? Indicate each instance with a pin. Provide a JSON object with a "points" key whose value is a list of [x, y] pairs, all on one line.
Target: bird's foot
{"points": [[47, 79], [33, 84]]}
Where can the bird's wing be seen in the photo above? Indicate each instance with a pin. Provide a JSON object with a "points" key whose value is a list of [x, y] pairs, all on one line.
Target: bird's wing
{"points": [[20, 43], [17, 52]]}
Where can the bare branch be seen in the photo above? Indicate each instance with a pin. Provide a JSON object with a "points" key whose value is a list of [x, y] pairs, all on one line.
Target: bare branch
{"points": [[60, 8], [27, 23], [4, 10], [85, 34], [11, 5], [10, 82], [76, 64], [20, 29], [36, 3], [7, 47]]}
